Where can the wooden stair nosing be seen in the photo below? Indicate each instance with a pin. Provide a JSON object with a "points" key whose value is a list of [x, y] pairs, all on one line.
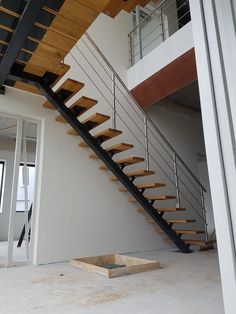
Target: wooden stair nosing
{"points": [[104, 135], [156, 198], [201, 243], [84, 103], [138, 173], [174, 221], [167, 210], [69, 85], [132, 160], [189, 232], [145, 186], [115, 149]]}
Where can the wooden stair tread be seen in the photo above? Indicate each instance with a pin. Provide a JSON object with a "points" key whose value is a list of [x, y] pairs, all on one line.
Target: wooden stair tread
{"points": [[189, 231], [168, 210], [180, 221], [66, 91], [103, 136], [202, 243], [174, 221], [91, 122], [115, 149], [137, 173], [145, 186], [156, 198], [79, 107], [132, 160]]}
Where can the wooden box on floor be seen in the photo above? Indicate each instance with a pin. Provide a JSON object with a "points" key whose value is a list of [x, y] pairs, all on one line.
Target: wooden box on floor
{"points": [[129, 265]]}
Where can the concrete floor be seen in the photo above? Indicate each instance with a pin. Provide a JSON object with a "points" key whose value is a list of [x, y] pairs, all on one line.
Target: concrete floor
{"points": [[185, 284]]}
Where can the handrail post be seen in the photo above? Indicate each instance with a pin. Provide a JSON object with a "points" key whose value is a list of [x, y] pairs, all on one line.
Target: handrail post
{"points": [[139, 31], [131, 50], [146, 143], [204, 214], [114, 101], [176, 181], [162, 24]]}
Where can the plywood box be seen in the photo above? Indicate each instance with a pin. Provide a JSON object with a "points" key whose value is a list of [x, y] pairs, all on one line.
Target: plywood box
{"points": [[115, 265]]}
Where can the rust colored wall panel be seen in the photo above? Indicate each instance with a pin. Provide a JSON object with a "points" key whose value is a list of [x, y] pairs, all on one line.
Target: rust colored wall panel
{"points": [[176, 75]]}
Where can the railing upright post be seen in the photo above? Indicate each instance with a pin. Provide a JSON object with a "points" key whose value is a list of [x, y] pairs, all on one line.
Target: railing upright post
{"points": [[204, 214], [162, 24], [176, 181], [114, 101], [132, 53], [139, 31], [146, 143]]}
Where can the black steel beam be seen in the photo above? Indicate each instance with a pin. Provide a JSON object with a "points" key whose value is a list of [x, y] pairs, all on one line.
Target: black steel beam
{"points": [[23, 28], [23, 229], [102, 154]]}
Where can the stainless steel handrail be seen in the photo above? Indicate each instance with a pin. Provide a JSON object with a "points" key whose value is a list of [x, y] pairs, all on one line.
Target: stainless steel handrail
{"points": [[144, 113], [172, 162], [147, 17]]}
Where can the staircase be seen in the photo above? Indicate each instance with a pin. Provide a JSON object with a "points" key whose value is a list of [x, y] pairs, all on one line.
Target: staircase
{"points": [[129, 169]]}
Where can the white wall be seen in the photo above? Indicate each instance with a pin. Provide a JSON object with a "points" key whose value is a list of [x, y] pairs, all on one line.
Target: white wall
{"points": [[168, 51], [80, 211], [183, 129]]}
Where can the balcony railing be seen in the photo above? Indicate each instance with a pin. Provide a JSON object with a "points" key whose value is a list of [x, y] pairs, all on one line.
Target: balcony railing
{"points": [[166, 19]]}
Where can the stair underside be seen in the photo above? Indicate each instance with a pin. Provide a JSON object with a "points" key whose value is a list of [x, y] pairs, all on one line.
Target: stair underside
{"points": [[66, 91], [156, 198], [103, 136], [91, 122], [126, 162], [136, 174], [145, 186], [79, 107], [167, 209]]}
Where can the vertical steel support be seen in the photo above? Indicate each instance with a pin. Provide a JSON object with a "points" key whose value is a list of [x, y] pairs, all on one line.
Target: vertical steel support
{"points": [[14, 193], [139, 32], [176, 181], [204, 214], [26, 194], [146, 143], [132, 53], [162, 24], [114, 101]]}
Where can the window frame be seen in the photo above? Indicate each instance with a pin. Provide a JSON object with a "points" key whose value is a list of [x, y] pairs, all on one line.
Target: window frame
{"points": [[29, 165], [2, 182]]}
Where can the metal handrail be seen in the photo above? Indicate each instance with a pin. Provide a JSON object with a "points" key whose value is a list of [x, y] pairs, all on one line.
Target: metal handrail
{"points": [[147, 17], [149, 129], [144, 113]]}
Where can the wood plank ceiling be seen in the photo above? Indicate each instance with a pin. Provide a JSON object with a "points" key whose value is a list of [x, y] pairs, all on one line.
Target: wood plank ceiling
{"points": [[59, 26]]}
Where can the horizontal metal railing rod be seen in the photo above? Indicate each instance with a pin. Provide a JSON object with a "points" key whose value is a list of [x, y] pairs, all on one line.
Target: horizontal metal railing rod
{"points": [[148, 16], [144, 113]]}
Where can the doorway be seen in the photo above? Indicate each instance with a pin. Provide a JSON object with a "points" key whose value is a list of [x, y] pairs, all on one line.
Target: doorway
{"points": [[18, 168]]}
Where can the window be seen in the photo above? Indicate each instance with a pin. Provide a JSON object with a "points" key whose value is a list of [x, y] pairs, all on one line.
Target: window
{"points": [[20, 205], [2, 169]]}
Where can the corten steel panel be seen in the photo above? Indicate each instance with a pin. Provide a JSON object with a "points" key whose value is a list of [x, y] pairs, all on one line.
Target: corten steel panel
{"points": [[175, 76]]}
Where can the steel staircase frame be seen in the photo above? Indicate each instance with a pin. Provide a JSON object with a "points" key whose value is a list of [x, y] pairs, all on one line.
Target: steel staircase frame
{"points": [[127, 182]]}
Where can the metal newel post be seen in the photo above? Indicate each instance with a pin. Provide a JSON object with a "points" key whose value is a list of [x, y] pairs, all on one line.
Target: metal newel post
{"points": [[146, 143], [162, 24], [176, 181], [139, 31], [204, 214], [131, 49], [114, 101]]}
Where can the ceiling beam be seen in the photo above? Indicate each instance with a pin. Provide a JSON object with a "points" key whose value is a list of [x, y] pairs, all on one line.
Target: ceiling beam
{"points": [[23, 28]]}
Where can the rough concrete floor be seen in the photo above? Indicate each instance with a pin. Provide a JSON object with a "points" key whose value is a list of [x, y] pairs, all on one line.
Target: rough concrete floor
{"points": [[186, 284]]}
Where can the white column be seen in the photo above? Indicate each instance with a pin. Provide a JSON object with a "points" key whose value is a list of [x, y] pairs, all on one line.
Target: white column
{"points": [[215, 75], [14, 193]]}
